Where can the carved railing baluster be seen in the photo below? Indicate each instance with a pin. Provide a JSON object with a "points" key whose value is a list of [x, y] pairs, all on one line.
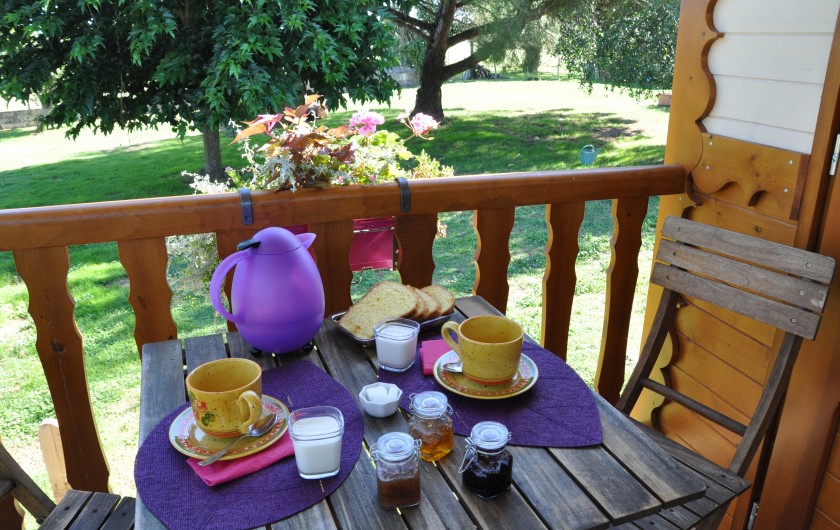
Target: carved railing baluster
{"points": [[559, 280], [628, 216], [59, 345], [150, 297], [492, 254]]}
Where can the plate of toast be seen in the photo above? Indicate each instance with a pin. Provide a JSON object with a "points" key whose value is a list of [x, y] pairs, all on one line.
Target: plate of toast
{"points": [[430, 306]]}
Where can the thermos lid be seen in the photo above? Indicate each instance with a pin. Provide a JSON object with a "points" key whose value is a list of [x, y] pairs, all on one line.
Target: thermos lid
{"points": [[271, 240]]}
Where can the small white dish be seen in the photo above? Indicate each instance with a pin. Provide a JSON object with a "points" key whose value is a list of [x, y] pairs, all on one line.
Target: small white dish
{"points": [[380, 399]]}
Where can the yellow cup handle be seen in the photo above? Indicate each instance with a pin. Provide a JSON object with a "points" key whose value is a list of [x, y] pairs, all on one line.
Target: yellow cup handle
{"points": [[445, 332], [252, 401]]}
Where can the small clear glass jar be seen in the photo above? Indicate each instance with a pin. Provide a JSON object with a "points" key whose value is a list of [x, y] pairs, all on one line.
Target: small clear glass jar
{"points": [[431, 423], [487, 468], [396, 343], [397, 458]]}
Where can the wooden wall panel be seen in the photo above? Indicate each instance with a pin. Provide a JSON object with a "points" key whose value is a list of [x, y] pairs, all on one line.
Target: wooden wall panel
{"points": [[797, 462], [800, 56], [752, 358], [696, 433], [739, 83], [827, 503], [780, 104], [796, 140], [821, 522], [715, 383], [769, 70], [753, 173], [776, 16]]}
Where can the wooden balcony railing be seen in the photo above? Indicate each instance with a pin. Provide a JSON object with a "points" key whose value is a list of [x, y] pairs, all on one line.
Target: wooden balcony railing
{"points": [[39, 239]]}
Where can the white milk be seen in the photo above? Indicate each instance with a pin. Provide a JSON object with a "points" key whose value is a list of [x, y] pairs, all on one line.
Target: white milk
{"points": [[395, 346], [317, 456]]}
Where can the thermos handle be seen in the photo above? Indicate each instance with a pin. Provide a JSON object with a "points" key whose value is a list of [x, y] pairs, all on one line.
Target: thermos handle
{"points": [[218, 280]]}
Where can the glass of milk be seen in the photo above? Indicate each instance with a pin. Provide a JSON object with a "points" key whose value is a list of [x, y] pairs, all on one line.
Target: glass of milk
{"points": [[396, 343], [316, 435]]}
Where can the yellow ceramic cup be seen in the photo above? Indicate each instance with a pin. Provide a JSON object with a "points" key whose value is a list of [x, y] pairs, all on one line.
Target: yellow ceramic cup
{"points": [[225, 396], [489, 347]]}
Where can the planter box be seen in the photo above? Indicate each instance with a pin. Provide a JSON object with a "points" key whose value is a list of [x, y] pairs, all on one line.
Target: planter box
{"points": [[373, 243]]}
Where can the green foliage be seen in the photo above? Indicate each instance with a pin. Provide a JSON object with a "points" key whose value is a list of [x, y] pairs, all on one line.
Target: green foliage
{"points": [[110, 63], [411, 50], [492, 27], [629, 45]]}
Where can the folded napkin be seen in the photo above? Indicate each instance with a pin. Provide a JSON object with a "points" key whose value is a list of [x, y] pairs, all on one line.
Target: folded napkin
{"points": [[430, 352], [227, 470]]}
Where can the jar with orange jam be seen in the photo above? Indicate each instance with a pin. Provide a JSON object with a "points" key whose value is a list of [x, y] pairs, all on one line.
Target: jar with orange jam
{"points": [[431, 423]]}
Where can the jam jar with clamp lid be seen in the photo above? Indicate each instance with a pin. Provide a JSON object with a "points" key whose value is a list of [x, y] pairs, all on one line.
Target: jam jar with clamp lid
{"points": [[431, 423], [397, 470], [487, 466]]}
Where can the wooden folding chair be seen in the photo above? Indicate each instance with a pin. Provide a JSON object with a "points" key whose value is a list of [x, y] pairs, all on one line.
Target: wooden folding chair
{"points": [[80, 509], [779, 285]]}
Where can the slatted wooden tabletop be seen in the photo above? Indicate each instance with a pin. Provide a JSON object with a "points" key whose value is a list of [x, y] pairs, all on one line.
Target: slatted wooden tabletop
{"points": [[628, 478]]}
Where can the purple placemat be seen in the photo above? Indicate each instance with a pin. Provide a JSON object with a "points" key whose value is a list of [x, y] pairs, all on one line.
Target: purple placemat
{"points": [[559, 411], [180, 500]]}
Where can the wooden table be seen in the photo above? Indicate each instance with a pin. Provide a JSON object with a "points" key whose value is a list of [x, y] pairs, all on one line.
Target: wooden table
{"points": [[628, 478]]}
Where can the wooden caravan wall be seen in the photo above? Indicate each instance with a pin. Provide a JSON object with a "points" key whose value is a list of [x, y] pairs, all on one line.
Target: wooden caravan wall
{"points": [[749, 123]]}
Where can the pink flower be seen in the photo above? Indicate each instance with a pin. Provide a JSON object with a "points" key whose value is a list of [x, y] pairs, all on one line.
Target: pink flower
{"points": [[423, 123], [366, 121]]}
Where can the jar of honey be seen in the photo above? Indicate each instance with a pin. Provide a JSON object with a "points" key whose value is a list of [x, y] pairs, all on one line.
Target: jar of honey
{"points": [[431, 423], [397, 470], [487, 468]]}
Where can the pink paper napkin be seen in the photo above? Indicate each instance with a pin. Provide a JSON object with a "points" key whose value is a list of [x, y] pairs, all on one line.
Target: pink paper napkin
{"points": [[227, 470], [430, 352]]}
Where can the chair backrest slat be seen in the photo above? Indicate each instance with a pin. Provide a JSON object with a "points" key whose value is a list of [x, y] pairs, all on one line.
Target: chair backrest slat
{"points": [[768, 283], [767, 254], [782, 316]]}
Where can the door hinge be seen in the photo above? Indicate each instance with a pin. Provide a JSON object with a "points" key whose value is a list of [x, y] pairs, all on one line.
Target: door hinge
{"points": [[835, 157], [753, 513]]}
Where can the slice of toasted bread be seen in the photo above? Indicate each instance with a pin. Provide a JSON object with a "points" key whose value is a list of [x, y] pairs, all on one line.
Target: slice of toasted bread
{"points": [[430, 306], [443, 296], [383, 300]]}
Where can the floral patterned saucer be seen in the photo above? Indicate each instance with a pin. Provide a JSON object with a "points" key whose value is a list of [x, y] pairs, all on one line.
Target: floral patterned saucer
{"points": [[458, 383], [188, 439]]}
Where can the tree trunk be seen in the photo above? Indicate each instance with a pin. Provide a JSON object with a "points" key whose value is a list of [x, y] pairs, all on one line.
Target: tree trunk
{"points": [[212, 153], [429, 98]]}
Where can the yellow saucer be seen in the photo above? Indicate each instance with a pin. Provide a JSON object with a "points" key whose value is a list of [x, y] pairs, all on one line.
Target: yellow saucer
{"points": [[460, 384], [188, 439]]}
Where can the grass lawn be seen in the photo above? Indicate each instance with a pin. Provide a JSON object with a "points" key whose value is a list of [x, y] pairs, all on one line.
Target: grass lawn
{"points": [[491, 127]]}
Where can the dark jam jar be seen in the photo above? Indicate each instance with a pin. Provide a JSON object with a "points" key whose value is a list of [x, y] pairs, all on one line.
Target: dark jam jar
{"points": [[487, 469], [397, 458]]}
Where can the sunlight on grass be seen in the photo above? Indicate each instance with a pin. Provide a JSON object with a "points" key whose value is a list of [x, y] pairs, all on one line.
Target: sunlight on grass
{"points": [[491, 127]]}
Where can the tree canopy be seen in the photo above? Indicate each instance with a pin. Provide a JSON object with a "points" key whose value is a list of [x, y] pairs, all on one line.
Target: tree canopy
{"points": [[189, 64], [491, 26], [627, 44]]}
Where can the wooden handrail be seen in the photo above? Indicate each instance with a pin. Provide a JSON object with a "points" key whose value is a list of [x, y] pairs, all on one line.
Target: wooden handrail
{"points": [[78, 224], [40, 237]]}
